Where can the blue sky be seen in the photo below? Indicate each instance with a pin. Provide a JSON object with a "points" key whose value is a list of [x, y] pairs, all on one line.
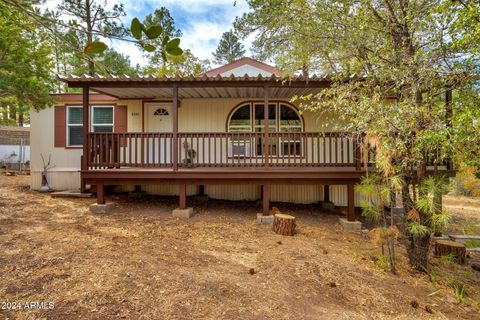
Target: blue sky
{"points": [[202, 22]]}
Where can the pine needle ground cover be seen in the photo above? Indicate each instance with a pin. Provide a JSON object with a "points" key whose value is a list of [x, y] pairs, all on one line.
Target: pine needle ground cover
{"points": [[139, 262]]}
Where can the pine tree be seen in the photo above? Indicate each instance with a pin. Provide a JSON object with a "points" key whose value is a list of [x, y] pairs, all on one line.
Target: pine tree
{"points": [[92, 20], [229, 49]]}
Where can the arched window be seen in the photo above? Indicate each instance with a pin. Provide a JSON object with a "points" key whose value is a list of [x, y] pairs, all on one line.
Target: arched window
{"points": [[161, 112], [249, 117]]}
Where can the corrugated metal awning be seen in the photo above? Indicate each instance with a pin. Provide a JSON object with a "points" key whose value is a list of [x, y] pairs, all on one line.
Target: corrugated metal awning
{"points": [[149, 87]]}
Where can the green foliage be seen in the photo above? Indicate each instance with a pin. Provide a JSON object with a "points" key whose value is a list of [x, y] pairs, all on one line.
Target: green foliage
{"points": [[160, 30], [459, 290], [25, 64], [382, 261], [136, 28], [427, 203], [418, 229], [183, 65], [117, 63], [371, 212], [95, 47], [90, 20], [449, 258], [229, 49], [154, 32], [466, 183]]}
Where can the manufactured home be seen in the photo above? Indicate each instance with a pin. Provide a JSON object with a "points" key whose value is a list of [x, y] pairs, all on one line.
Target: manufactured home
{"points": [[233, 133]]}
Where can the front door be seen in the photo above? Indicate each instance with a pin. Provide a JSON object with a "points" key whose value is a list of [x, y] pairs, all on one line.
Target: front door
{"points": [[158, 117], [157, 149]]}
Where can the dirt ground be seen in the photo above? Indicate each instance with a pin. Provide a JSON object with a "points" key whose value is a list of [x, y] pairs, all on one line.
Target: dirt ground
{"points": [[140, 263]]}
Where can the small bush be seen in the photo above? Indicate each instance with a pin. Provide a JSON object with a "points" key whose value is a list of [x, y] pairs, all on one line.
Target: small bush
{"points": [[382, 262], [466, 182]]}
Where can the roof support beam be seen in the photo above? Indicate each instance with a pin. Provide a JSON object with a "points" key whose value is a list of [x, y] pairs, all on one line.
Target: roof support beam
{"points": [[175, 128], [86, 122], [266, 148]]}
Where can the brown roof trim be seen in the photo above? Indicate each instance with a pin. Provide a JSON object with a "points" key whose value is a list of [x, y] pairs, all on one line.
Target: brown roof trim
{"points": [[78, 97], [243, 61]]}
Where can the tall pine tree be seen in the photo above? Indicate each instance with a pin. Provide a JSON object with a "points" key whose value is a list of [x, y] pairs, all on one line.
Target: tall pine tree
{"points": [[229, 49]]}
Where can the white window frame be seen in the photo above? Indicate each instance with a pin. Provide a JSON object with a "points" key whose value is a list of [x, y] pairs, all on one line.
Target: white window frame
{"points": [[92, 111], [68, 125], [290, 140], [259, 128]]}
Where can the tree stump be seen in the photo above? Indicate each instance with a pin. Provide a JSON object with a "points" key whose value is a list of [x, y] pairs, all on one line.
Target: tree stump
{"points": [[284, 224], [446, 247]]}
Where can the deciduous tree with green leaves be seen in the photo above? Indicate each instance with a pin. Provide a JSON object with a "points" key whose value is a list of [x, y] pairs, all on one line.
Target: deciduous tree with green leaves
{"points": [[391, 62], [184, 65], [161, 17], [229, 49]]}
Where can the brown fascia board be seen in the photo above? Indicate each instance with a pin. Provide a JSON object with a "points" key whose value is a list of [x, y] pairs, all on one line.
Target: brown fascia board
{"points": [[79, 97]]}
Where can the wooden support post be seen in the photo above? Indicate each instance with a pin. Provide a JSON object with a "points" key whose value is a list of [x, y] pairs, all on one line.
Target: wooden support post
{"points": [[351, 202], [82, 185], [326, 193], [201, 190], [100, 194], [183, 196], [175, 127], [86, 125], [266, 199], [266, 143]]}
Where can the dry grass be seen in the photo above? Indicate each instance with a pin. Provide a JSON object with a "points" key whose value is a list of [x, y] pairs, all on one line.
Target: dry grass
{"points": [[140, 263]]}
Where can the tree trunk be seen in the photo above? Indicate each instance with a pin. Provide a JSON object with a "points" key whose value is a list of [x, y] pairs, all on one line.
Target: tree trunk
{"points": [[284, 224], [91, 65], [446, 247], [417, 250], [417, 245]]}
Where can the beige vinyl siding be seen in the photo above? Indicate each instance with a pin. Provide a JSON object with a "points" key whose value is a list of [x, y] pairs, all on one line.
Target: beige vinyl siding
{"points": [[58, 180], [248, 192], [297, 193]]}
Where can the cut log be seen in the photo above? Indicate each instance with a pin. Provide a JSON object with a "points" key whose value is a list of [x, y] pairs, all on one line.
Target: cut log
{"points": [[446, 247], [284, 224]]}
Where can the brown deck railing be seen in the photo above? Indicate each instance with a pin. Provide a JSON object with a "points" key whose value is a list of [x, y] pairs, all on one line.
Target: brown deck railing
{"points": [[222, 149]]}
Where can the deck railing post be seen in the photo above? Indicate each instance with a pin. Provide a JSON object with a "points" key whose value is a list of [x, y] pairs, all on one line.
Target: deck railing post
{"points": [[175, 127], [85, 105], [357, 154]]}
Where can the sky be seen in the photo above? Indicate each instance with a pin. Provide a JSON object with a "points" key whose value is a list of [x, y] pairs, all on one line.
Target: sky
{"points": [[202, 22]]}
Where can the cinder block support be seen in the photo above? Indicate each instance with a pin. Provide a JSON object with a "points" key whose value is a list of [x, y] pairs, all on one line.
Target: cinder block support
{"points": [[266, 199], [102, 208], [183, 213], [350, 225]]}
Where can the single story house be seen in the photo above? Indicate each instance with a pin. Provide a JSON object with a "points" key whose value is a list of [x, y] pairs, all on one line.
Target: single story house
{"points": [[232, 133]]}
